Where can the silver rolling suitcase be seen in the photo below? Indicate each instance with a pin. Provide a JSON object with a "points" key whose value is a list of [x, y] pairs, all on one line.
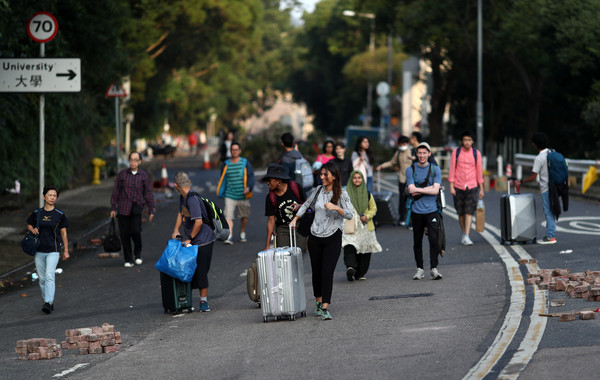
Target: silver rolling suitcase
{"points": [[281, 281], [517, 217]]}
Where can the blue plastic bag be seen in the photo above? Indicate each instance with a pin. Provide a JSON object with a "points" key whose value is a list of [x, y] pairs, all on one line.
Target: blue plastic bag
{"points": [[178, 261]]}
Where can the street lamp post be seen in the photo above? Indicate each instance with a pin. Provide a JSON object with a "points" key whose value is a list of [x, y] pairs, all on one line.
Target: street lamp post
{"points": [[370, 16], [479, 109]]}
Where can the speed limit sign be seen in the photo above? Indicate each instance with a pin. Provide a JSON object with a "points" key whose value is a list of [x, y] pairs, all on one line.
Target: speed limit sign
{"points": [[42, 27]]}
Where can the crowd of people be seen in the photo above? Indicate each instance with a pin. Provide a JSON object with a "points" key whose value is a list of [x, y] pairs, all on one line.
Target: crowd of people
{"points": [[342, 198]]}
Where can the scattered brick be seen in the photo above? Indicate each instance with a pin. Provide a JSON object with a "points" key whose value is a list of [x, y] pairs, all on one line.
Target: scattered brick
{"points": [[523, 261], [532, 260], [95, 350], [83, 344], [83, 351], [559, 302], [587, 315], [90, 340], [38, 348], [108, 328], [567, 317], [95, 241], [85, 331], [114, 348]]}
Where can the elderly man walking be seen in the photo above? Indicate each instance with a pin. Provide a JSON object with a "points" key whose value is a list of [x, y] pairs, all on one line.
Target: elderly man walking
{"points": [[131, 193]]}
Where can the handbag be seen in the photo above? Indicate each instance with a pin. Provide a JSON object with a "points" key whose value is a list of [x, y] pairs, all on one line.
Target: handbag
{"points": [[350, 225], [111, 242], [308, 217], [31, 242]]}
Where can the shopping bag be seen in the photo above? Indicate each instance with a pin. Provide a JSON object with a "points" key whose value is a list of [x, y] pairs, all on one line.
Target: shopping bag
{"points": [[480, 217], [178, 261]]}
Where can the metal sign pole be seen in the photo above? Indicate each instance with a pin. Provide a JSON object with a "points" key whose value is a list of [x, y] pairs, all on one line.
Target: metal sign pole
{"points": [[42, 136], [117, 131]]}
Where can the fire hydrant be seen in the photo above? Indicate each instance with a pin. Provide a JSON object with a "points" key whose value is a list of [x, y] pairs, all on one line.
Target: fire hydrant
{"points": [[97, 163]]}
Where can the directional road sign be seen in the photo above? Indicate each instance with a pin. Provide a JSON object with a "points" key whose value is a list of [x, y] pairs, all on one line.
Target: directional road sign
{"points": [[40, 75]]}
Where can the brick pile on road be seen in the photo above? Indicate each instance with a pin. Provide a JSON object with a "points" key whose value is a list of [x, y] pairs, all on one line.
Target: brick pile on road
{"points": [[38, 348], [584, 285], [93, 340]]}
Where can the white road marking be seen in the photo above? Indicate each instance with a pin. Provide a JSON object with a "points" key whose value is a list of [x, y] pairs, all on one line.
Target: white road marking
{"points": [[71, 370], [582, 225]]}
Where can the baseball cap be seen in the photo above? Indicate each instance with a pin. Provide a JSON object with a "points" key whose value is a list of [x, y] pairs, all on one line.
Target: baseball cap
{"points": [[424, 145]]}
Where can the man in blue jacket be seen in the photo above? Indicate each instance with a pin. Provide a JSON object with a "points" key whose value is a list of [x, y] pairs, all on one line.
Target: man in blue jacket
{"points": [[235, 185]]}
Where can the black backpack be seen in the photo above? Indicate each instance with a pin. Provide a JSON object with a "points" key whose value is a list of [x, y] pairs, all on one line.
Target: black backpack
{"points": [[215, 220]]}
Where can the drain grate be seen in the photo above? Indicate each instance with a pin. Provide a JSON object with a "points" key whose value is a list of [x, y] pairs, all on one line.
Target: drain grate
{"points": [[415, 295]]}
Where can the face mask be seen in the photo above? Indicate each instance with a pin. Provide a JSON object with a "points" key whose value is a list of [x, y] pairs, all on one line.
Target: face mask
{"points": [[402, 148]]}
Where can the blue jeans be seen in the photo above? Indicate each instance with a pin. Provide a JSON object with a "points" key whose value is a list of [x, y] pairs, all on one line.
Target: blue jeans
{"points": [[45, 264], [550, 221]]}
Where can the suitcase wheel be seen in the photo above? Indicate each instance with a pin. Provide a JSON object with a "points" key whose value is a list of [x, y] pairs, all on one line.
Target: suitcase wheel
{"points": [[303, 314], [191, 310], [265, 319], [292, 317]]}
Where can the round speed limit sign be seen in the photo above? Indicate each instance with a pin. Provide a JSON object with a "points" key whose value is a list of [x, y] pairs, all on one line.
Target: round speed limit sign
{"points": [[42, 27]]}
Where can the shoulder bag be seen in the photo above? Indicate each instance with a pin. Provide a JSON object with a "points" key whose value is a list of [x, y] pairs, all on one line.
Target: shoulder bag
{"points": [[308, 217], [31, 242]]}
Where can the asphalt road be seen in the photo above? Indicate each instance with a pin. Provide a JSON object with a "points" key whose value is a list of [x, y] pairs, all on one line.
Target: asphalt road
{"points": [[386, 327]]}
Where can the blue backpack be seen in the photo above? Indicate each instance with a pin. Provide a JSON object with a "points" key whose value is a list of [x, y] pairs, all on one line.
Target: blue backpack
{"points": [[558, 169]]}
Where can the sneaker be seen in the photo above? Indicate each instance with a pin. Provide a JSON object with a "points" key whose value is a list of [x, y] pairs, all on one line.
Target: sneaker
{"points": [[51, 306], [402, 223], [419, 275], [47, 308], [350, 273], [243, 237], [466, 240], [362, 278], [547, 240], [434, 274], [229, 241], [204, 306], [138, 261], [128, 265], [326, 315], [319, 309]]}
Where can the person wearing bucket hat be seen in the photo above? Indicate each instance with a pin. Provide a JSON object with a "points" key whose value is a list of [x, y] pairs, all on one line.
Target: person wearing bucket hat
{"points": [[283, 200]]}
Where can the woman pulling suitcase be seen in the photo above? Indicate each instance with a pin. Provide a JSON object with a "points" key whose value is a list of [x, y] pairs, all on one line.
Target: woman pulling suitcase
{"points": [[331, 207]]}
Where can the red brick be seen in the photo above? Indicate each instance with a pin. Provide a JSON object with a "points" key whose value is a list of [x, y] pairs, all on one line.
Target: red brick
{"points": [[21, 343], [561, 272], [118, 340], [83, 351], [97, 330], [581, 289], [522, 261], [533, 260], [72, 339], [108, 328], [544, 285], [64, 345], [572, 294], [83, 344], [95, 344], [567, 317], [587, 315], [111, 348], [585, 295], [58, 354], [34, 356], [95, 350], [557, 302], [71, 346], [595, 291], [69, 333], [91, 337], [21, 350], [23, 356], [531, 281], [108, 342], [85, 331]]}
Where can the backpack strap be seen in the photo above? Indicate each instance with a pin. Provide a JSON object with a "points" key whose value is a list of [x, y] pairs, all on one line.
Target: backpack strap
{"points": [[296, 190], [458, 153], [273, 198], [431, 165]]}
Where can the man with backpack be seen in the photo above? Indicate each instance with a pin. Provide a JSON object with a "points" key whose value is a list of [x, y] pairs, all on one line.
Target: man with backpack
{"points": [[283, 200], [466, 182], [540, 167], [423, 181], [191, 215], [298, 169]]}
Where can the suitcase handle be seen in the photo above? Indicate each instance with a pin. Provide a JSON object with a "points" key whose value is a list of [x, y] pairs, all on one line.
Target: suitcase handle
{"points": [[292, 237]]}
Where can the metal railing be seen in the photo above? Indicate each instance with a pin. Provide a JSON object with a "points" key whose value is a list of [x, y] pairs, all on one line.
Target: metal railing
{"points": [[575, 166]]}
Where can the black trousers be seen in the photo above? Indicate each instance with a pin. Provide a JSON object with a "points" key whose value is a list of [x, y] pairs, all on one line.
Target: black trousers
{"points": [[359, 261], [130, 228], [324, 254], [419, 222], [200, 279]]}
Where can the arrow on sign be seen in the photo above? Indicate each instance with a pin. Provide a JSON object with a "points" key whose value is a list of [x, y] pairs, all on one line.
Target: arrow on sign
{"points": [[71, 74]]}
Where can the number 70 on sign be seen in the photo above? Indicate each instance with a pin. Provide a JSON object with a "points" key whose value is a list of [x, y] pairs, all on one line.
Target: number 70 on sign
{"points": [[42, 27]]}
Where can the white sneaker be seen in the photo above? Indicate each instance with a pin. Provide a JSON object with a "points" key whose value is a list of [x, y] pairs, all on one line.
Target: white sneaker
{"points": [[466, 240], [128, 265], [419, 275], [243, 237], [434, 274], [229, 241], [138, 261]]}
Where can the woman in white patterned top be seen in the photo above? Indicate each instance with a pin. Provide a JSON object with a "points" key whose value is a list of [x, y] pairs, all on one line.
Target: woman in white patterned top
{"points": [[331, 207]]}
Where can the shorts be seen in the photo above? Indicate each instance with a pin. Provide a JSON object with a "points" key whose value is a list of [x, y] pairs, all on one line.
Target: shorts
{"points": [[465, 201], [243, 208]]}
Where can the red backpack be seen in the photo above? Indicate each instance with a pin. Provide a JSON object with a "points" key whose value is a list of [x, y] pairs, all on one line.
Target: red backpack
{"points": [[294, 186]]}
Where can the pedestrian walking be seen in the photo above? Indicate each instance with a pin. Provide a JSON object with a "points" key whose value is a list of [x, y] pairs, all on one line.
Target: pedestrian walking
{"points": [[225, 149], [235, 185], [331, 206], [296, 165], [343, 164], [191, 215], [51, 223], [359, 239], [363, 159], [131, 193], [281, 204], [466, 182], [401, 160], [423, 182], [540, 168]]}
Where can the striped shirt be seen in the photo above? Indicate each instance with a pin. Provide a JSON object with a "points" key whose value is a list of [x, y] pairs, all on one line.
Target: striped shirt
{"points": [[235, 181]]}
